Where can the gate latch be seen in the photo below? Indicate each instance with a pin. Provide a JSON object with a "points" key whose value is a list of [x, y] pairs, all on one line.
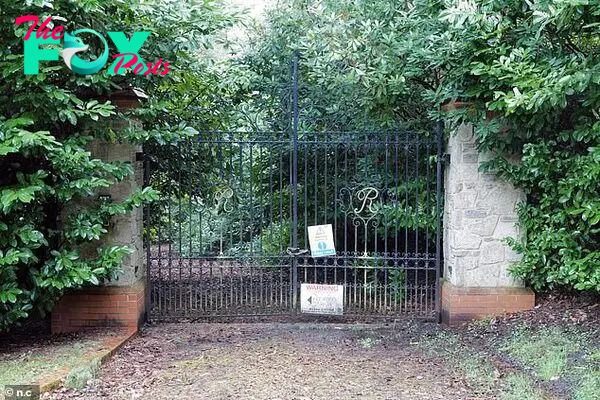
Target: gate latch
{"points": [[296, 252]]}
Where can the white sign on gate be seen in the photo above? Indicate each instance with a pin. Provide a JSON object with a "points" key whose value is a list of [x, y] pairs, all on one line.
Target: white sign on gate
{"points": [[321, 242], [322, 299]]}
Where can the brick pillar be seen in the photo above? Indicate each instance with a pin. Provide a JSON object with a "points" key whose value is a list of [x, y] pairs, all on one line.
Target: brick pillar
{"points": [[120, 303], [479, 213]]}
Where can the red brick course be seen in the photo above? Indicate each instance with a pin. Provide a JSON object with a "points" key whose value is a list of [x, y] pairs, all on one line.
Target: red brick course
{"points": [[121, 307], [466, 304]]}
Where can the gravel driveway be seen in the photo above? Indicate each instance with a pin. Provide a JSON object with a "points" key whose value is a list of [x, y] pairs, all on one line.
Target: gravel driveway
{"points": [[275, 361]]}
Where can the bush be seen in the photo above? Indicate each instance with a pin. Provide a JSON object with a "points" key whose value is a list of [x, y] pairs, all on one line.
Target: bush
{"points": [[46, 123], [531, 72]]}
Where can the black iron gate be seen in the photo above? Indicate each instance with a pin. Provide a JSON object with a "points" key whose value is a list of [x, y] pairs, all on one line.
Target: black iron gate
{"points": [[229, 236]]}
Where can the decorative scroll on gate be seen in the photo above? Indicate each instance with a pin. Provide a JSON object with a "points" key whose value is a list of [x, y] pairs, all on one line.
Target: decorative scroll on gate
{"points": [[363, 214]]}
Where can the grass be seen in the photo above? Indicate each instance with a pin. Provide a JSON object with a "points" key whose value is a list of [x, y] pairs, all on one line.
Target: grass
{"points": [[545, 354], [27, 367], [357, 328], [545, 351], [367, 342], [442, 341], [482, 323], [80, 375], [193, 363], [520, 387], [594, 356], [589, 385], [553, 353], [477, 369]]}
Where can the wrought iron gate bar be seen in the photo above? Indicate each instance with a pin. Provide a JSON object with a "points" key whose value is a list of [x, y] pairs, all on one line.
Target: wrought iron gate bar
{"points": [[234, 202], [340, 255], [328, 138]]}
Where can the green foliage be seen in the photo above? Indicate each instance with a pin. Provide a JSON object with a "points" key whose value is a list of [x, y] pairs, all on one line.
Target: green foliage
{"points": [[520, 387], [350, 81], [396, 279], [49, 179], [545, 351], [376, 277], [589, 385], [561, 218], [356, 68], [274, 239], [529, 71]]}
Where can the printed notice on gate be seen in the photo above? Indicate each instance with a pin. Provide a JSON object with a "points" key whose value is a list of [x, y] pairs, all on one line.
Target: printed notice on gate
{"points": [[321, 240], [322, 299]]}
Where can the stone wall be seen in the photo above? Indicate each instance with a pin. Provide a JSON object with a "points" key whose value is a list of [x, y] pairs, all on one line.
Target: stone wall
{"points": [[124, 229], [479, 213], [119, 303]]}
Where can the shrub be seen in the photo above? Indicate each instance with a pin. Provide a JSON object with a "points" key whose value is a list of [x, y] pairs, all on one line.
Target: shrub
{"points": [[531, 71], [46, 123]]}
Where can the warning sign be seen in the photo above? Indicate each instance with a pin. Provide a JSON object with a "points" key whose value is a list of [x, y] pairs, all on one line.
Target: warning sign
{"points": [[322, 299], [320, 238]]}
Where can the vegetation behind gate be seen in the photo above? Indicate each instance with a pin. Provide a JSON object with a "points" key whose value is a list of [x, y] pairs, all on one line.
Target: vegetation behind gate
{"points": [[526, 74]]}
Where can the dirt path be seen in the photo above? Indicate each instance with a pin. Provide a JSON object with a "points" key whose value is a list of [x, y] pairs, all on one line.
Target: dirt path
{"points": [[275, 361]]}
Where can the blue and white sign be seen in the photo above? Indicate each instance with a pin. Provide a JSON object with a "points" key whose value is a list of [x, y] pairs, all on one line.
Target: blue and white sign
{"points": [[321, 241]]}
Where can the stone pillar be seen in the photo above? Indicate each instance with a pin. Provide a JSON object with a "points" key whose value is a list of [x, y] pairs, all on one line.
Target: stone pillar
{"points": [[479, 213], [120, 303]]}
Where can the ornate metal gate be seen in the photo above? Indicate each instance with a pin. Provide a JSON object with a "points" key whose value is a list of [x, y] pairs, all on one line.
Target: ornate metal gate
{"points": [[229, 237]]}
